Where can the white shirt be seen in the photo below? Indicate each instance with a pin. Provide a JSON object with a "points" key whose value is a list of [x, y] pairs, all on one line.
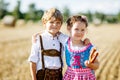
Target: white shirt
{"points": [[63, 38], [49, 42]]}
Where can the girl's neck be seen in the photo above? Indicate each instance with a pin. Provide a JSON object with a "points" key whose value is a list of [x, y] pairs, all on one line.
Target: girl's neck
{"points": [[77, 42]]}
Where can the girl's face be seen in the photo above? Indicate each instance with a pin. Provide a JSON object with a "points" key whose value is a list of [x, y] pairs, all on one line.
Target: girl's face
{"points": [[53, 26], [78, 30]]}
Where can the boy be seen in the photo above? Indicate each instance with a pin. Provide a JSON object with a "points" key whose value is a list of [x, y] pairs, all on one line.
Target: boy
{"points": [[45, 58]]}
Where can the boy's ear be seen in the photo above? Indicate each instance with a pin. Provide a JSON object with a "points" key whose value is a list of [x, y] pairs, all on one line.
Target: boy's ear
{"points": [[43, 24], [68, 28]]}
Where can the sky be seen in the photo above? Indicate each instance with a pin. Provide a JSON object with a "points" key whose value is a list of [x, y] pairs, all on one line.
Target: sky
{"points": [[75, 6]]}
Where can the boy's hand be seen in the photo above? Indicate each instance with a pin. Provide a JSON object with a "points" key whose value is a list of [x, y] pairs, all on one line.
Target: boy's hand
{"points": [[86, 41]]}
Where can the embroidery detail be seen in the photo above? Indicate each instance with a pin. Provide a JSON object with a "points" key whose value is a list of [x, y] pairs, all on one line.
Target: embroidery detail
{"points": [[77, 51]]}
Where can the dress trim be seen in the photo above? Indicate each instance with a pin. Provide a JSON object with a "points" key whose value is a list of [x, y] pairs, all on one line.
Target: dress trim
{"points": [[77, 51]]}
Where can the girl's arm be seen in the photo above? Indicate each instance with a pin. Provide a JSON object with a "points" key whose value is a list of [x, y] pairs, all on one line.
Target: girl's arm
{"points": [[33, 70], [62, 37], [35, 35]]}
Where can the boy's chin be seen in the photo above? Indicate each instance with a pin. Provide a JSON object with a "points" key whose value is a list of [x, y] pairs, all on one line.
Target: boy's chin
{"points": [[53, 32]]}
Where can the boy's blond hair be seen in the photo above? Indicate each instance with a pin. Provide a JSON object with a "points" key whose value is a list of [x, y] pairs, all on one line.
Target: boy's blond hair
{"points": [[52, 13]]}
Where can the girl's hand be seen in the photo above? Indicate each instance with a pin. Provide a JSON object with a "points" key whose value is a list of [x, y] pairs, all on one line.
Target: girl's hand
{"points": [[92, 62], [86, 41], [88, 64], [93, 65], [35, 35]]}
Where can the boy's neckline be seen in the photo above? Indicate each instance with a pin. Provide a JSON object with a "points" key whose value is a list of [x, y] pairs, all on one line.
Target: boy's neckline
{"points": [[49, 34]]}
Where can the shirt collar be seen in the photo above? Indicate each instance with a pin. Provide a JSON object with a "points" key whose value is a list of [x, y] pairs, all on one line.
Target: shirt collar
{"points": [[50, 35]]}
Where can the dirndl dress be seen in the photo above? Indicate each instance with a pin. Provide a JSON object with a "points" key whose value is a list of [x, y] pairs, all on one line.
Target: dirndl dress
{"points": [[78, 74], [75, 59]]}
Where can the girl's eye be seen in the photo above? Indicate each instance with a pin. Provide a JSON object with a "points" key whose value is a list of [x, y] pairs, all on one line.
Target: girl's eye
{"points": [[76, 29]]}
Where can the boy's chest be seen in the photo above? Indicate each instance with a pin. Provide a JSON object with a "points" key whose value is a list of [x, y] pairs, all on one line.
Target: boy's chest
{"points": [[51, 43]]}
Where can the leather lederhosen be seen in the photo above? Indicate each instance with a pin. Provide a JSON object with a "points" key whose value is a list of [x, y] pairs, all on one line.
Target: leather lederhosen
{"points": [[49, 74]]}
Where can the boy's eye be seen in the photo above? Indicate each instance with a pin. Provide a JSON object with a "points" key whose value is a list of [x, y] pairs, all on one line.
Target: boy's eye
{"points": [[58, 22], [82, 30], [51, 22]]}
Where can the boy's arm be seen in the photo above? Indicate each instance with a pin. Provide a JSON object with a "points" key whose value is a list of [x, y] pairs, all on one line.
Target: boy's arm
{"points": [[33, 70]]}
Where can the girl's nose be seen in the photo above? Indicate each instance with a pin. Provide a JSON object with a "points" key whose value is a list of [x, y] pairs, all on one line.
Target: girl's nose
{"points": [[78, 31]]}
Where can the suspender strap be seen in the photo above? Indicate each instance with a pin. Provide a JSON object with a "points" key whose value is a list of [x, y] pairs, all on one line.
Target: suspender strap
{"points": [[61, 55], [42, 49], [41, 42], [42, 53]]}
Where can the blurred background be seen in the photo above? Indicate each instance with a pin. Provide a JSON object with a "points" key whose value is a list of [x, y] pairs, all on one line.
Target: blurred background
{"points": [[20, 19]]}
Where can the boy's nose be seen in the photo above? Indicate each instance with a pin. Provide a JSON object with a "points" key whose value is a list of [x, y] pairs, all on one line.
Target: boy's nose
{"points": [[55, 24]]}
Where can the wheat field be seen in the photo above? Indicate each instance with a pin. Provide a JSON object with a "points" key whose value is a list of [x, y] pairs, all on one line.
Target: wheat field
{"points": [[15, 45]]}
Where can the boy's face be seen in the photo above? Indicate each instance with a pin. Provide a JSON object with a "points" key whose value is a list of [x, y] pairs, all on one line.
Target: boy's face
{"points": [[53, 26], [78, 30]]}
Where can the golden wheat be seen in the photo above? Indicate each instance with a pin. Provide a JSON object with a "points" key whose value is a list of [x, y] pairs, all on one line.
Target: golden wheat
{"points": [[15, 44]]}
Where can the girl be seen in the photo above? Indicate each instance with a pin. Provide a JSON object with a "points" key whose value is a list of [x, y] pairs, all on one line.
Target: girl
{"points": [[81, 59]]}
